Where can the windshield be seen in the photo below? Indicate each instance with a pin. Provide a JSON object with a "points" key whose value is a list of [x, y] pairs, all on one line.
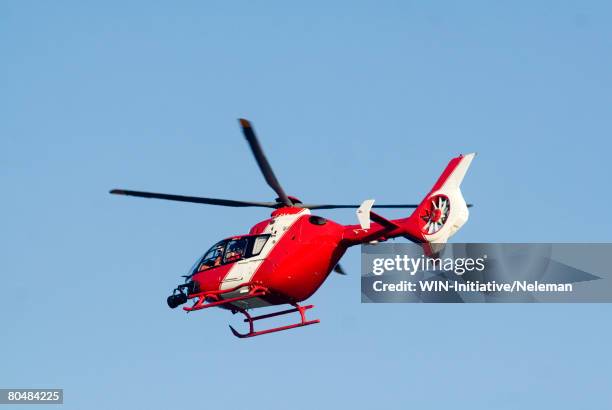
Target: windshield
{"points": [[229, 251], [213, 257]]}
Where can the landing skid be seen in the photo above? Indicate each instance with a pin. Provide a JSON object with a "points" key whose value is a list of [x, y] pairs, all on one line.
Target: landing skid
{"points": [[211, 299], [249, 319]]}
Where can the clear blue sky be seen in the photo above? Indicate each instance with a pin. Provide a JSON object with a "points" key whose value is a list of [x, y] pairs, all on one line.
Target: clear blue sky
{"points": [[351, 100]]}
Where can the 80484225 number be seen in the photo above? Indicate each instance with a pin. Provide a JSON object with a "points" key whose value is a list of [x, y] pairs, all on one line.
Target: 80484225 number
{"points": [[31, 396]]}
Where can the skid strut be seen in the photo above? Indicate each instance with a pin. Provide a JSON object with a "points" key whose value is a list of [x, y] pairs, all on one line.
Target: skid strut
{"points": [[250, 319]]}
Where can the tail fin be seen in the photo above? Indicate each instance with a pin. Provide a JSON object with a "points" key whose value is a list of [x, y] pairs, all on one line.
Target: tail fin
{"points": [[443, 211]]}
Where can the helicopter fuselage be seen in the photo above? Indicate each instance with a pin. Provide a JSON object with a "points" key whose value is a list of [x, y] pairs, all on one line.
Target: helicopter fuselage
{"points": [[300, 252]]}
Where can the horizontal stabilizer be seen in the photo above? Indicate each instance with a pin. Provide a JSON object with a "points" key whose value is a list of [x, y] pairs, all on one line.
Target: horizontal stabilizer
{"points": [[365, 215]]}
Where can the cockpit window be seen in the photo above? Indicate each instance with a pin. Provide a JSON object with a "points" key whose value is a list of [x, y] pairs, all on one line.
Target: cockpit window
{"points": [[229, 251], [258, 244], [213, 257], [236, 249]]}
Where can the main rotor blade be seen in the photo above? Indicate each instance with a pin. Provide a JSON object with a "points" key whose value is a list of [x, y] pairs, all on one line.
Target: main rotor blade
{"points": [[335, 206], [262, 161], [242, 204], [194, 199]]}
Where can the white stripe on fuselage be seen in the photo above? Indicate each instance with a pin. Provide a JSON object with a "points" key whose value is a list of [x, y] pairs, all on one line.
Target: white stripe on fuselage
{"points": [[244, 270]]}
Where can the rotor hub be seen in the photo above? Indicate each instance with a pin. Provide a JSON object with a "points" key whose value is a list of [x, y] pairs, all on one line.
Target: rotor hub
{"points": [[436, 215]]}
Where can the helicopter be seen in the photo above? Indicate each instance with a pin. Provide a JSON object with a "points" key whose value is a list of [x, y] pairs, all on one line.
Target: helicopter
{"points": [[284, 259]]}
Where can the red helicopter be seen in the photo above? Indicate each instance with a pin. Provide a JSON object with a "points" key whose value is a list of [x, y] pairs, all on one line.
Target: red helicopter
{"points": [[286, 258]]}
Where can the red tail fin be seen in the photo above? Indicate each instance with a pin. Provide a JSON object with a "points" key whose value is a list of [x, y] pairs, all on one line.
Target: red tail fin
{"points": [[443, 211]]}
